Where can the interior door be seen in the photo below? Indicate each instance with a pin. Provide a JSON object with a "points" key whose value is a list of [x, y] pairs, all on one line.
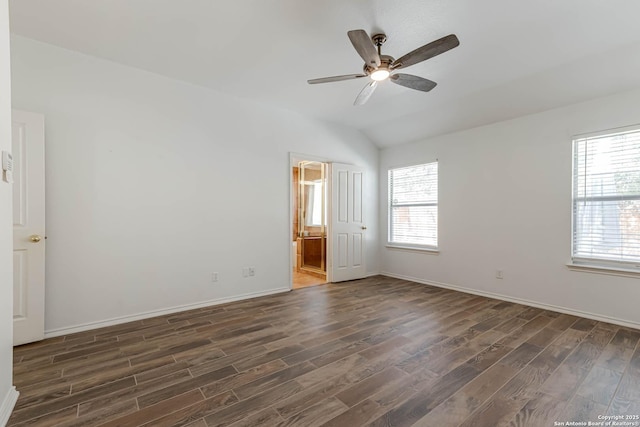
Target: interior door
{"points": [[347, 225], [28, 226]]}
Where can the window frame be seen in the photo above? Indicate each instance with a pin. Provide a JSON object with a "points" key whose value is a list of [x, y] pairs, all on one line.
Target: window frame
{"points": [[595, 264], [413, 246]]}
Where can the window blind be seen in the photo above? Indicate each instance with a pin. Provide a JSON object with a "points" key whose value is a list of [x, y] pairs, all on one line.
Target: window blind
{"points": [[606, 199], [413, 205]]}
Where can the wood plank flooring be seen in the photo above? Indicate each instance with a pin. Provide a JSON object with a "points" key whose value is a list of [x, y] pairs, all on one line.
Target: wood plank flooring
{"points": [[378, 352]]}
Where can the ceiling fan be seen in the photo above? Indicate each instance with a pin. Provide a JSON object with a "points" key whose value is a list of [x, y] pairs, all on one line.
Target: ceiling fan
{"points": [[382, 67]]}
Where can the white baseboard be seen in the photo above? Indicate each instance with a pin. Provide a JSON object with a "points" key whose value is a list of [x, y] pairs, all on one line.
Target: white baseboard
{"points": [[559, 309], [147, 314], [8, 403]]}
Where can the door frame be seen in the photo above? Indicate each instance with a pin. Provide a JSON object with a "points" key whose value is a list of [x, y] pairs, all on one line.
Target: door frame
{"points": [[294, 158]]}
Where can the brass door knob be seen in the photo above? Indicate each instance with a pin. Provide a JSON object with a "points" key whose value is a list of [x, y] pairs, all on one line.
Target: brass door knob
{"points": [[35, 238]]}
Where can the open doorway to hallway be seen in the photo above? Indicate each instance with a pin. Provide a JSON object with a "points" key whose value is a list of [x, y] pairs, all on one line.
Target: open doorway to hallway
{"points": [[309, 225]]}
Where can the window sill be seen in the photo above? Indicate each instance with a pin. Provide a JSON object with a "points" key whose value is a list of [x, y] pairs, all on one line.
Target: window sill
{"points": [[597, 269], [430, 251]]}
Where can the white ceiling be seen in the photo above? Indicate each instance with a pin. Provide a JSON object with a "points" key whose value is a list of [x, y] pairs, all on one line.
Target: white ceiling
{"points": [[515, 57]]}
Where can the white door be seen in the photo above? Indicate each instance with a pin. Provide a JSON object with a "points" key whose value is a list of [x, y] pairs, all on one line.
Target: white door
{"points": [[28, 226], [347, 225]]}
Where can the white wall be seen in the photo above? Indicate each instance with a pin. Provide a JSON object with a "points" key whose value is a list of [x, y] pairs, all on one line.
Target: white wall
{"points": [[153, 184], [7, 392], [505, 203]]}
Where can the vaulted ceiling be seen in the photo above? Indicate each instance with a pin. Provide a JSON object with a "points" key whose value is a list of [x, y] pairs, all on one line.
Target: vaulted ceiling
{"points": [[515, 57]]}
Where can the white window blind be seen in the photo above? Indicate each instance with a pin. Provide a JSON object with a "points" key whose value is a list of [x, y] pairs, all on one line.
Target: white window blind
{"points": [[413, 205], [606, 199]]}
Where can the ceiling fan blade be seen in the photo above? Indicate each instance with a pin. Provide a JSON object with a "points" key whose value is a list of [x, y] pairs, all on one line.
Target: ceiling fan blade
{"points": [[413, 82], [336, 78], [365, 47], [427, 51], [366, 93]]}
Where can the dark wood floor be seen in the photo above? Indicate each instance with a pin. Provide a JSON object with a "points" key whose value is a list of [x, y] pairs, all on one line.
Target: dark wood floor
{"points": [[379, 351]]}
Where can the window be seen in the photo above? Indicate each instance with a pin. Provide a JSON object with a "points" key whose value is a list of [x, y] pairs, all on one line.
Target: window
{"points": [[606, 199], [413, 206]]}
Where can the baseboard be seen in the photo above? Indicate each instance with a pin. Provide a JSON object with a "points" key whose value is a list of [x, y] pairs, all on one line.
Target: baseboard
{"points": [[544, 306], [154, 313], [8, 403]]}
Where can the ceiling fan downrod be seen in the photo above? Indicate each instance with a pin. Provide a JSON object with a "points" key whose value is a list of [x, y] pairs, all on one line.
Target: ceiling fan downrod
{"points": [[378, 40]]}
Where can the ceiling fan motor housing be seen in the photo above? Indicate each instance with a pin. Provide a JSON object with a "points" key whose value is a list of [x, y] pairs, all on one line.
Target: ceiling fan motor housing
{"points": [[385, 64]]}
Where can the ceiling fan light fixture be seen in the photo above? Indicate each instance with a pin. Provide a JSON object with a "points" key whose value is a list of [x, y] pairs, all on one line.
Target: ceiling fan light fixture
{"points": [[380, 74], [380, 67]]}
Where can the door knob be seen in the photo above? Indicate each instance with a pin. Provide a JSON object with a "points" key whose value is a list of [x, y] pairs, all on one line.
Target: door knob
{"points": [[35, 238], [364, 227]]}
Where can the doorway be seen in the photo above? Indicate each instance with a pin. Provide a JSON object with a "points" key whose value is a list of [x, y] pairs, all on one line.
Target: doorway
{"points": [[309, 225]]}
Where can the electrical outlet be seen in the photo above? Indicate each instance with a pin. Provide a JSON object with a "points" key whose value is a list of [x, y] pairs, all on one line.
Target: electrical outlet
{"points": [[252, 271], [499, 274], [214, 277]]}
